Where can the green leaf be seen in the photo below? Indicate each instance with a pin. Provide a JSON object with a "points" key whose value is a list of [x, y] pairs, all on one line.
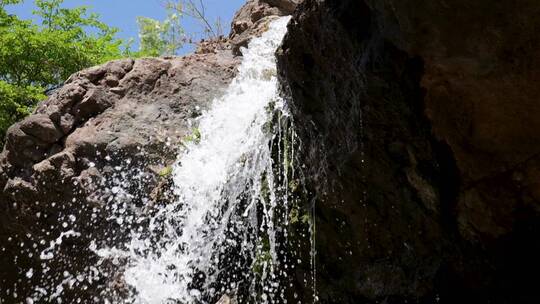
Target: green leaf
{"points": [[16, 103]]}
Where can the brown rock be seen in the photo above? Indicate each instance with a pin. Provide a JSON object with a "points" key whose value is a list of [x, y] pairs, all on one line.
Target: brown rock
{"points": [[19, 189], [251, 19], [94, 102], [67, 122], [286, 6], [41, 127]]}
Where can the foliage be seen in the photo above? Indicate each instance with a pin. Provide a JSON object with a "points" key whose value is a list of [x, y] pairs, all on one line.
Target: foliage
{"points": [[37, 57], [167, 37], [16, 102], [160, 38]]}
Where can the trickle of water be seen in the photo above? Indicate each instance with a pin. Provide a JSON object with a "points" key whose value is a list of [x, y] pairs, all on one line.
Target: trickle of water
{"points": [[225, 232]]}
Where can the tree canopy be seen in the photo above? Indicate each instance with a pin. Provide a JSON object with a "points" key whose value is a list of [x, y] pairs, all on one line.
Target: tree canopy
{"points": [[38, 56], [167, 37]]}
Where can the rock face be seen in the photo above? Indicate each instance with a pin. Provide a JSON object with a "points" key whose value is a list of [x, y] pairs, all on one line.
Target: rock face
{"points": [[124, 114], [419, 122], [122, 121], [251, 20]]}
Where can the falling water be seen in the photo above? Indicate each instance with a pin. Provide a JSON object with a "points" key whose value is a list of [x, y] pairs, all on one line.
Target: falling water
{"points": [[225, 232], [237, 224]]}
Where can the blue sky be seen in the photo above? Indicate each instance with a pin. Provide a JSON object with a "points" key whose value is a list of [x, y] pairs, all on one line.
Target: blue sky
{"points": [[123, 13]]}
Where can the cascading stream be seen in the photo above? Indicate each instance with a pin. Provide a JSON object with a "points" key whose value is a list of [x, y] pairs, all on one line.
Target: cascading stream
{"points": [[224, 231]]}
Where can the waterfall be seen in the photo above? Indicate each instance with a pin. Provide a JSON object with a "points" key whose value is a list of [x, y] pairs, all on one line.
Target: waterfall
{"points": [[225, 231]]}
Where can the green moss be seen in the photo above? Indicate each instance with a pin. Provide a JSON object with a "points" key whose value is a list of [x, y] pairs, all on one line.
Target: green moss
{"points": [[294, 215], [294, 185], [305, 219], [165, 172], [194, 137], [263, 257], [197, 135]]}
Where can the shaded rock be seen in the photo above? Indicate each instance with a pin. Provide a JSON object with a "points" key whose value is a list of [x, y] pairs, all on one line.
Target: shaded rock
{"points": [[425, 217], [22, 149], [19, 189], [59, 166], [379, 187], [421, 114], [3, 176]]}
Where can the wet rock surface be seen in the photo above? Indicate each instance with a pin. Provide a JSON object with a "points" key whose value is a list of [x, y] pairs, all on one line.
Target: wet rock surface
{"points": [[418, 120]]}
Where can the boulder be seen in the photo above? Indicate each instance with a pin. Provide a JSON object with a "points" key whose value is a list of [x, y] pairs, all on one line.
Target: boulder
{"points": [[423, 116], [250, 21]]}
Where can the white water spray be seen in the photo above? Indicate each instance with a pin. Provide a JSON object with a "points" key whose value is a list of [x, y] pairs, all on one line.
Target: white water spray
{"points": [[227, 199]]}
